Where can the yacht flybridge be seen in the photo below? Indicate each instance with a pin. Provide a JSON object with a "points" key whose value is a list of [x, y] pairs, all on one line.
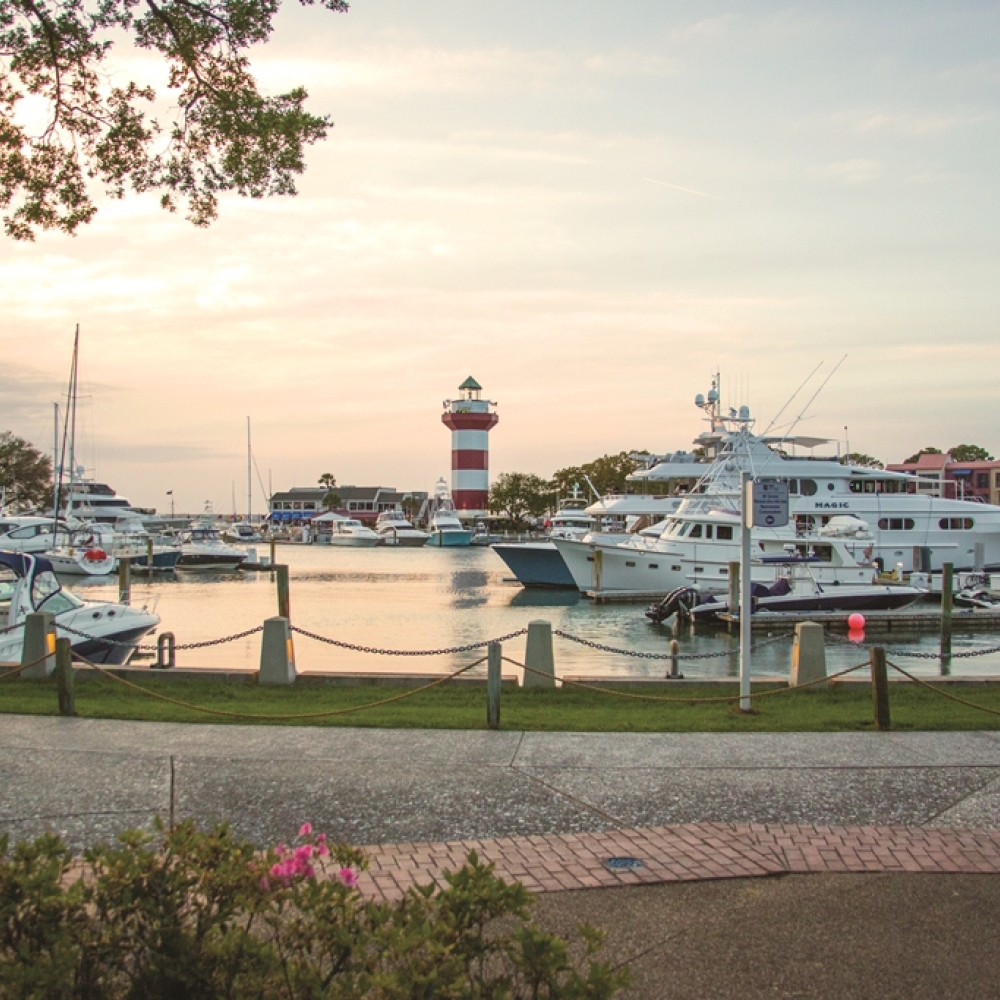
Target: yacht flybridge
{"points": [[898, 527]]}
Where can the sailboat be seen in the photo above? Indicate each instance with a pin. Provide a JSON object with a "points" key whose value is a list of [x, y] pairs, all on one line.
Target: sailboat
{"points": [[244, 531]]}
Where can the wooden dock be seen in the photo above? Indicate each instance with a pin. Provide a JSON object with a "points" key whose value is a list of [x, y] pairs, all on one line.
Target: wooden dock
{"points": [[917, 619]]}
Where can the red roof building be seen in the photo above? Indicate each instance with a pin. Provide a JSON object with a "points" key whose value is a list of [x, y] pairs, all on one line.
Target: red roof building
{"points": [[940, 476]]}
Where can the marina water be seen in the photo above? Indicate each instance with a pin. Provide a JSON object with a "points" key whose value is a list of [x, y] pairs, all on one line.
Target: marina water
{"points": [[432, 598]]}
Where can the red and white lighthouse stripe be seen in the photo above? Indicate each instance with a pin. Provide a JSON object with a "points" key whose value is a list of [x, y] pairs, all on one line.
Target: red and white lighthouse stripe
{"points": [[470, 420]]}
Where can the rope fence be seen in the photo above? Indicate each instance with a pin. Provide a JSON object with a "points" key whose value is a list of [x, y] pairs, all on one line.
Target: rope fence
{"points": [[266, 717], [679, 701]]}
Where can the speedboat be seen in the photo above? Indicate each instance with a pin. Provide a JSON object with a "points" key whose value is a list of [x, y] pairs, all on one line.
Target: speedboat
{"points": [[102, 632], [203, 550], [446, 526], [794, 590], [131, 540], [392, 528]]}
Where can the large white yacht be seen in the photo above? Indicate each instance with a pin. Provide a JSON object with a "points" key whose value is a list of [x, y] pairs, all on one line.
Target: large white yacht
{"points": [[908, 530]]}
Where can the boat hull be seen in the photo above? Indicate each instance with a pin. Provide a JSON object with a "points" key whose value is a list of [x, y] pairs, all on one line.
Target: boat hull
{"points": [[537, 564], [848, 600], [349, 542], [450, 539]]}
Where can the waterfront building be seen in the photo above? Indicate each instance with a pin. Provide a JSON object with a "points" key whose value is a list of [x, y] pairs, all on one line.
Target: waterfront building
{"points": [[365, 503], [470, 418], [941, 476]]}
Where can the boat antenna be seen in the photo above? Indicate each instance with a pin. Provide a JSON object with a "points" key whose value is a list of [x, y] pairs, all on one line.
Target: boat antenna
{"points": [[822, 386], [793, 395]]}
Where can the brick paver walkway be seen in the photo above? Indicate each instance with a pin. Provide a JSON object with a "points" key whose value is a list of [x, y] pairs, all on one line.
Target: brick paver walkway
{"points": [[688, 853]]}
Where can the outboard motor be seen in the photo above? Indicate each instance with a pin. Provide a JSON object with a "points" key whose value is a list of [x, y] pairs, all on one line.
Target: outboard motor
{"points": [[678, 601]]}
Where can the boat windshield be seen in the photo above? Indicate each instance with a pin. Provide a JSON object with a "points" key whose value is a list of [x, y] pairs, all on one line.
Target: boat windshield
{"points": [[48, 595]]}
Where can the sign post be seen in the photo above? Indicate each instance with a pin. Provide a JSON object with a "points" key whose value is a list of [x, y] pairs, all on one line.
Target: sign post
{"points": [[764, 504], [746, 520]]}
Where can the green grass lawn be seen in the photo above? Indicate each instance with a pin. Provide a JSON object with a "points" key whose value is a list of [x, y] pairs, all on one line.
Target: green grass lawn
{"points": [[845, 708]]}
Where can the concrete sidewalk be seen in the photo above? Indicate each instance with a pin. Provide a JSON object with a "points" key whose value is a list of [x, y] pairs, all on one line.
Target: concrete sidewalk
{"points": [[87, 779]]}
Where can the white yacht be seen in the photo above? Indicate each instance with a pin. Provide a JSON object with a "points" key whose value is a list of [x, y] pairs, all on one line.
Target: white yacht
{"points": [[335, 529], [241, 531], [538, 563], [103, 632], [446, 527], [392, 528], [908, 530], [203, 550]]}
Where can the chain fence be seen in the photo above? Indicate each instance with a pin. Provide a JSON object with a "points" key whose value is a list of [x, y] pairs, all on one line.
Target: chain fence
{"points": [[467, 648], [152, 647], [638, 654], [915, 654]]}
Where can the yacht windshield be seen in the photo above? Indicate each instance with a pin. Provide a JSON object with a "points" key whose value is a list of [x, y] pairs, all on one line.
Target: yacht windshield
{"points": [[48, 595]]}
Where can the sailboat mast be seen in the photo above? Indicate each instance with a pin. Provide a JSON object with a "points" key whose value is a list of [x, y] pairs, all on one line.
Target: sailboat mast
{"points": [[72, 406], [249, 481]]}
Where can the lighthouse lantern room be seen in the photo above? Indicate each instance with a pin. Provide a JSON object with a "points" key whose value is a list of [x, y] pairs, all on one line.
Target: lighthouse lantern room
{"points": [[470, 418]]}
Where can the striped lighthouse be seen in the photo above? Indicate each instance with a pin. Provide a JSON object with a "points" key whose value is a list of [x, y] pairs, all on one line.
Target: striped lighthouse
{"points": [[470, 419]]}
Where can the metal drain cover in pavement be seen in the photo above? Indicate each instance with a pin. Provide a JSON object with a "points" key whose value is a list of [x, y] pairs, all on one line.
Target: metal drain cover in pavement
{"points": [[623, 864]]}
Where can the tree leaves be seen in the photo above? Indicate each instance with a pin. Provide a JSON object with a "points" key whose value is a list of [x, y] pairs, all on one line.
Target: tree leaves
{"points": [[224, 136]]}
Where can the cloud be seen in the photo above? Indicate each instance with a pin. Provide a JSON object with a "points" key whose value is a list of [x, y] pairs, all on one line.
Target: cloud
{"points": [[852, 171], [911, 123]]}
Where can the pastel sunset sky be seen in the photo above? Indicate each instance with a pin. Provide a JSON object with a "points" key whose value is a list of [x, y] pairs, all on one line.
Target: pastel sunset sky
{"points": [[588, 206]]}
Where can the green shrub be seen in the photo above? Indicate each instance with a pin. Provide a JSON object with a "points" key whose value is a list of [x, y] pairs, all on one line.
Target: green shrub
{"points": [[186, 913]]}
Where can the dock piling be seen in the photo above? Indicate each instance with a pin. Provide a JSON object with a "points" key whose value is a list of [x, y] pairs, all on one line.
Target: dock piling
{"points": [[284, 597], [125, 580], [39, 640], [947, 586], [493, 682], [880, 689], [166, 651], [64, 677]]}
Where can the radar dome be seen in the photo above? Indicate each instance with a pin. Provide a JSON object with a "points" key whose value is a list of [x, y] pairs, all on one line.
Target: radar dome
{"points": [[744, 413], [713, 395], [699, 400]]}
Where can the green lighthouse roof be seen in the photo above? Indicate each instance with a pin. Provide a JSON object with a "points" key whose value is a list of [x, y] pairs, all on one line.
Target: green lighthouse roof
{"points": [[470, 383]]}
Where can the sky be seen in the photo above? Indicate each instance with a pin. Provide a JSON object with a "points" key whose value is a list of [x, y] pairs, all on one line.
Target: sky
{"points": [[589, 207]]}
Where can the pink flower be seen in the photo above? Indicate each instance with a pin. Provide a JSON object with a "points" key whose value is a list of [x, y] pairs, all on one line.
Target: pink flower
{"points": [[305, 829], [323, 850], [305, 851], [321, 838], [348, 876]]}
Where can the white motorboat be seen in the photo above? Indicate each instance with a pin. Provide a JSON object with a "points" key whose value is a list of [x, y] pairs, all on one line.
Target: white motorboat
{"points": [[392, 528], [203, 550], [241, 531], [446, 527], [334, 529], [131, 539], [102, 632]]}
